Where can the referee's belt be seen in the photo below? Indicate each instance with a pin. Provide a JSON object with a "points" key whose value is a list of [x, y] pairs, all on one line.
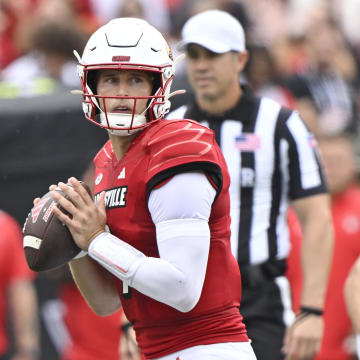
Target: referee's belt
{"points": [[255, 275]]}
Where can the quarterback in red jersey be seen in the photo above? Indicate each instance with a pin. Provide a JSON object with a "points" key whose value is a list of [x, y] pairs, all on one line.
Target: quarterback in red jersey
{"points": [[162, 191]]}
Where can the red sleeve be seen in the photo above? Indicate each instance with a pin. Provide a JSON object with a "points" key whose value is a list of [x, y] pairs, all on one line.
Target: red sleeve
{"points": [[181, 146], [13, 262]]}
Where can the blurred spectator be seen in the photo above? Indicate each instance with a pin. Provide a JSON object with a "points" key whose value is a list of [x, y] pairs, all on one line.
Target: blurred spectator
{"points": [[51, 31], [154, 11], [301, 13], [268, 19], [339, 160], [17, 293], [47, 66], [203, 5], [77, 332], [77, 13], [348, 13], [12, 13], [262, 76], [7, 50], [352, 298], [327, 77], [18, 20]]}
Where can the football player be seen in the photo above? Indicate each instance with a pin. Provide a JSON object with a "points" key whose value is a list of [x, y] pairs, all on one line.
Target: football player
{"points": [[18, 297], [157, 239]]}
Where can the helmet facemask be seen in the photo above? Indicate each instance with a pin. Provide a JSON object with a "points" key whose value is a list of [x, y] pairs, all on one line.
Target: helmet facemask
{"points": [[124, 123]]}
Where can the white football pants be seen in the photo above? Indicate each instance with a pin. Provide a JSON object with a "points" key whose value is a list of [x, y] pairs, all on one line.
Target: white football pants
{"points": [[222, 351]]}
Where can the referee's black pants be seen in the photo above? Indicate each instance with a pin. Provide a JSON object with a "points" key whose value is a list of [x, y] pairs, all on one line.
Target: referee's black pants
{"points": [[264, 313]]}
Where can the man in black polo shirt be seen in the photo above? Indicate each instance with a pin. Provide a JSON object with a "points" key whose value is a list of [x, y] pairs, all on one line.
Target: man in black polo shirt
{"points": [[273, 162]]}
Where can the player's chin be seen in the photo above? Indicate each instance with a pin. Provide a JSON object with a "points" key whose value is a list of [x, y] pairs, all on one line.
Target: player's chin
{"points": [[207, 94], [205, 86], [202, 85]]}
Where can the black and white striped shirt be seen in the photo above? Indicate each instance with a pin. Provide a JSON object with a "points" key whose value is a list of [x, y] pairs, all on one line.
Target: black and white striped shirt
{"points": [[272, 159]]}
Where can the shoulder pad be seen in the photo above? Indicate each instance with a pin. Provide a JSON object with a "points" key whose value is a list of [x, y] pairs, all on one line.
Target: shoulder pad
{"points": [[104, 155], [180, 142]]}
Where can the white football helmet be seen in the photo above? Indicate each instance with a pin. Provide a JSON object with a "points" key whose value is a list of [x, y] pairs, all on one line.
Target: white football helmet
{"points": [[129, 44]]}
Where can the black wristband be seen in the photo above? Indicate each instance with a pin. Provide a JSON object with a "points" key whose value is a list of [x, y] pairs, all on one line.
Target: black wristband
{"points": [[311, 311], [125, 327]]}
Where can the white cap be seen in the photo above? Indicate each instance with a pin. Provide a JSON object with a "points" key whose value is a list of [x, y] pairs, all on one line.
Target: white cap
{"points": [[216, 30]]}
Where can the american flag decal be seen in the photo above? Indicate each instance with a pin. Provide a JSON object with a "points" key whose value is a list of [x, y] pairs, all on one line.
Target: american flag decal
{"points": [[247, 142]]}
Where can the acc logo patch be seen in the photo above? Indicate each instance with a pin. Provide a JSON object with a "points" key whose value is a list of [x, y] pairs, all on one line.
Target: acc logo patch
{"points": [[98, 179]]}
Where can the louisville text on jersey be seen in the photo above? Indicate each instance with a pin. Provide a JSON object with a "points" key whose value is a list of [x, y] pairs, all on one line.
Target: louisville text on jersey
{"points": [[115, 197]]}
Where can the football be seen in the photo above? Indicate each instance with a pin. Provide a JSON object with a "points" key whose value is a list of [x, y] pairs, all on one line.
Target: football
{"points": [[47, 242]]}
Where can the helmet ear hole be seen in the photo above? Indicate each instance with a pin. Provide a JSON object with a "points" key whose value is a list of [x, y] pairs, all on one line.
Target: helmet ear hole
{"points": [[157, 83], [92, 79]]}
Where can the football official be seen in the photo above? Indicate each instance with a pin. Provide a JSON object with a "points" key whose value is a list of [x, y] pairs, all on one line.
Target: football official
{"points": [[273, 162]]}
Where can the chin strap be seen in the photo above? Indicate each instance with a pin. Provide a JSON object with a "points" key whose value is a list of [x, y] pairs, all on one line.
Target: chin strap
{"points": [[177, 92], [181, 57], [137, 120], [78, 57], [76, 92]]}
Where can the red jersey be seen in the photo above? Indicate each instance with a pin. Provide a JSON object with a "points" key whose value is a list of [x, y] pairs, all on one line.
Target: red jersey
{"points": [[162, 150], [13, 267], [346, 221], [92, 337]]}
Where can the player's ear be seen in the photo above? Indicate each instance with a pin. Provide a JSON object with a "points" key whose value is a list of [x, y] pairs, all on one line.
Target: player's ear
{"points": [[242, 59]]}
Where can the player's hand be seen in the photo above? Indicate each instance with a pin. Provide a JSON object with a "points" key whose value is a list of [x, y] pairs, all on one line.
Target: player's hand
{"points": [[128, 349], [51, 187], [86, 219], [303, 338]]}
